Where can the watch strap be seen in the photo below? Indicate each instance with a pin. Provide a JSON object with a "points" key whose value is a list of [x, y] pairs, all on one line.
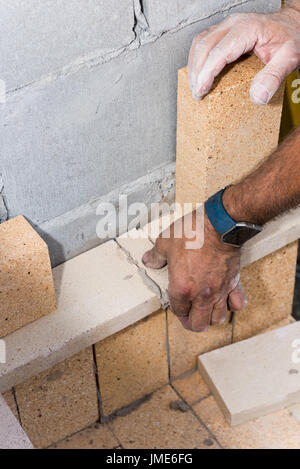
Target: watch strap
{"points": [[217, 214]]}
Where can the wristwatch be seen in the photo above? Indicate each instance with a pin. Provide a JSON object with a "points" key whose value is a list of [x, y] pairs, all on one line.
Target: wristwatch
{"points": [[232, 233]]}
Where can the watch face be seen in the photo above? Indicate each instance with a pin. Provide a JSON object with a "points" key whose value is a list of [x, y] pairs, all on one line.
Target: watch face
{"points": [[240, 234]]}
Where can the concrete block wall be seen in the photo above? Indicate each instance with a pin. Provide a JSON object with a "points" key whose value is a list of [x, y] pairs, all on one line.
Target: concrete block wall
{"points": [[90, 107]]}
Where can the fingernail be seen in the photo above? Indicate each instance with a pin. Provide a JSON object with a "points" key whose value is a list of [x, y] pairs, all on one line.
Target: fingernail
{"points": [[195, 96], [260, 94]]}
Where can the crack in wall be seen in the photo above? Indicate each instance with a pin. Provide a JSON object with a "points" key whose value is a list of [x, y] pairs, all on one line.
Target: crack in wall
{"points": [[143, 35]]}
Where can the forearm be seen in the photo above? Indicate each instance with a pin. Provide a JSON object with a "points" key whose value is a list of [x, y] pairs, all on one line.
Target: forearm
{"points": [[271, 190]]}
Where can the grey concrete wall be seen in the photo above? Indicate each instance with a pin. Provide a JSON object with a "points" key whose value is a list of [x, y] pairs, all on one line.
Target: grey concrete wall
{"points": [[91, 106]]}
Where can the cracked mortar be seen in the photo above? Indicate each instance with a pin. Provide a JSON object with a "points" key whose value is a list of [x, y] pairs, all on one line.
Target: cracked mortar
{"points": [[148, 281]]}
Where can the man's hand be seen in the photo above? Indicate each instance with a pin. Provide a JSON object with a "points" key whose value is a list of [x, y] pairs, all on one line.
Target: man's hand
{"points": [[202, 282], [274, 38]]}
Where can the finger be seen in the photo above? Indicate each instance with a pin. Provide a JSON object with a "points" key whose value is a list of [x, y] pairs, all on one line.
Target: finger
{"points": [[268, 80], [156, 258], [219, 313], [236, 43], [192, 55], [200, 316], [237, 299], [201, 50], [180, 292], [180, 307], [202, 42]]}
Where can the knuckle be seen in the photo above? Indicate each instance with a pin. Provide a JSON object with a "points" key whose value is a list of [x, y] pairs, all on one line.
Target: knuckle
{"points": [[276, 74], [216, 321], [211, 292], [208, 293], [234, 283], [243, 20], [184, 290], [181, 289], [293, 45], [294, 52], [217, 50], [233, 18]]}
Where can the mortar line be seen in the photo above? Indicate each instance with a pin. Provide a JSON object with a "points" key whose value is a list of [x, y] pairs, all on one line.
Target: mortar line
{"points": [[197, 417], [79, 431], [185, 375], [197, 401], [114, 435], [133, 406], [168, 347], [17, 405], [99, 399]]}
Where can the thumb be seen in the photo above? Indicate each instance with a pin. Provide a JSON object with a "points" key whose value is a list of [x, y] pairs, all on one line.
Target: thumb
{"points": [[268, 80], [154, 259]]}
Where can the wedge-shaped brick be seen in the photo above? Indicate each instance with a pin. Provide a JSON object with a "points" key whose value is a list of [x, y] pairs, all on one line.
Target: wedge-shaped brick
{"points": [[26, 284]]}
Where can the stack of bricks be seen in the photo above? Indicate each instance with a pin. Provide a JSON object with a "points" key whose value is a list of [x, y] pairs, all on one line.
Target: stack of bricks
{"points": [[93, 385]]}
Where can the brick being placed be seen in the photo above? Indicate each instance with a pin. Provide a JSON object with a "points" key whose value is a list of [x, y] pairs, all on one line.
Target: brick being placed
{"points": [[26, 283], [223, 137]]}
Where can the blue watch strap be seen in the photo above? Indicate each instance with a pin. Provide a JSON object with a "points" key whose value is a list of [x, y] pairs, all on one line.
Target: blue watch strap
{"points": [[217, 214]]}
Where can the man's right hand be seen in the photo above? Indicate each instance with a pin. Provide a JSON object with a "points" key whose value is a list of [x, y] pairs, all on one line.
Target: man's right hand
{"points": [[274, 38]]}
